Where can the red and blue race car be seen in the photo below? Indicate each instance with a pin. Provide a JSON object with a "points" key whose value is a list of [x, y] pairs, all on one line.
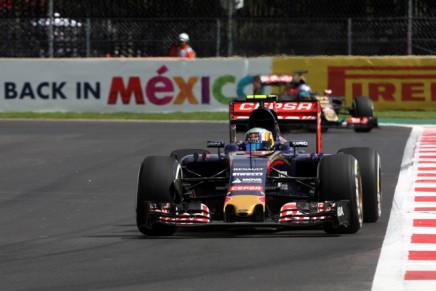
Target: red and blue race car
{"points": [[261, 181]]}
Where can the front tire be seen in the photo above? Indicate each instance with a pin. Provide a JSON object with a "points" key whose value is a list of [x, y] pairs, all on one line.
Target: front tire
{"points": [[339, 179], [363, 107], [156, 179], [370, 169]]}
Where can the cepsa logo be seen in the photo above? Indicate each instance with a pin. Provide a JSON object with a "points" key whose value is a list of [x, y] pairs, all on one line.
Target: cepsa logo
{"points": [[162, 90], [282, 106], [246, 188], [385, 83]]}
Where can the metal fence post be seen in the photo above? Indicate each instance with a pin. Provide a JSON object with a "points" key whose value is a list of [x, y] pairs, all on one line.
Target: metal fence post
{"points": [[88, 37], [350, 36], [218, 36], [409, 27], [50, 29], [229, 29]]}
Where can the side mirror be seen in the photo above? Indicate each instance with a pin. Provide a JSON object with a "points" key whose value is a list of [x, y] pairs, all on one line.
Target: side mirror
{"points": [[300, 143], [215, 144]]}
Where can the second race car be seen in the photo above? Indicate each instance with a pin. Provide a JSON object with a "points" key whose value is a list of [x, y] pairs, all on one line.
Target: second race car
{"points": [[335, 112]]}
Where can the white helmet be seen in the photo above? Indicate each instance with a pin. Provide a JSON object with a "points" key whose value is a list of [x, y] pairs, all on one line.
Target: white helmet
{"points": [[184, 37]]}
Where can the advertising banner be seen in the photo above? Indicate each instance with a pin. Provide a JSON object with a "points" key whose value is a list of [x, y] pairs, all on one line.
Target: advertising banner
{"points": [[125, 85], [160, 85], [393, 83]]}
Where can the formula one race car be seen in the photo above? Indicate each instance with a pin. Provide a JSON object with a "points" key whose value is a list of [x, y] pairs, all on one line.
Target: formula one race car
{"points": [[335, 113], [262, 181]]}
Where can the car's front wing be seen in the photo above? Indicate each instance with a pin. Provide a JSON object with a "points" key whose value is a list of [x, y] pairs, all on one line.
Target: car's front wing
{"points": [[292, 215]]}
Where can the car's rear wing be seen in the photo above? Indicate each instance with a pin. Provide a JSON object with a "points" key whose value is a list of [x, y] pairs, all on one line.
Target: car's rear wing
{"points": [[287, 112], [279, 79], [274, 80]]}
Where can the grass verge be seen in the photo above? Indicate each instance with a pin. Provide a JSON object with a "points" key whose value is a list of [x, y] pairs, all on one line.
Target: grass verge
{"points": [[208, 116]]}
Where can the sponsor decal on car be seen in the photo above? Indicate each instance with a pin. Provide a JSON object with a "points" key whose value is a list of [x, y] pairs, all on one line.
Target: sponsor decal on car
{"points": [[278, 106], [248, 174], [300, 143], [252, 180], [247, 180], [246, 188], [215, 144]]}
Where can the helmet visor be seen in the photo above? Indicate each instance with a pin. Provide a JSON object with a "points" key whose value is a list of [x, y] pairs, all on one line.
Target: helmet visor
{"points": [[252, 146], [257, 145]]}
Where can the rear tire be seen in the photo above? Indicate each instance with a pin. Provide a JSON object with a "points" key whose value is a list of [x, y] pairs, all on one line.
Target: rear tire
{"points": [[370, 170], [155, 185], [339, 179]]}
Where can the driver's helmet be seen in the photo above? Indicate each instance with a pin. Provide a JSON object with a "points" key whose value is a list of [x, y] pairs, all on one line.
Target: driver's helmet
{"points": [[304, 91], [259, 139]]}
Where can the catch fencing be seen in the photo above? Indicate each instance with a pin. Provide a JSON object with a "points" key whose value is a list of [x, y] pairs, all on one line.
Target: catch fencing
{"points": [[250, 28]]}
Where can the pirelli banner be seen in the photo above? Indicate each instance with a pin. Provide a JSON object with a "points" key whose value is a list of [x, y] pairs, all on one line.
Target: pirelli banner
{"points": [[173, 85], [393, 83]]}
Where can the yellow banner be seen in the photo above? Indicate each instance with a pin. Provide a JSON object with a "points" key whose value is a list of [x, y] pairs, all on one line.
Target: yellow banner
{"points": [[393, 83]]}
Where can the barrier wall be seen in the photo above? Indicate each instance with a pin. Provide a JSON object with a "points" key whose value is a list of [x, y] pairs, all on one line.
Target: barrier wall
{"points": [[169, 85], [393, 83]]}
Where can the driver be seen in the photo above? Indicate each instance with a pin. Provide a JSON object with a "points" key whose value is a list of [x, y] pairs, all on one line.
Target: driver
{"points": [[258, 138], [304, 92]]}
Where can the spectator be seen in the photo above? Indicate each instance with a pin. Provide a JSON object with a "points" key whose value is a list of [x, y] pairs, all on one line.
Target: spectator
{"points": [[182, 49]]}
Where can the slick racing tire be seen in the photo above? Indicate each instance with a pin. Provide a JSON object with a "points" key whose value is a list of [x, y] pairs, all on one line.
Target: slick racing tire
{"points": [[179, 154], [155, 185], [370, 170], [363, 107], [339, 179]]}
